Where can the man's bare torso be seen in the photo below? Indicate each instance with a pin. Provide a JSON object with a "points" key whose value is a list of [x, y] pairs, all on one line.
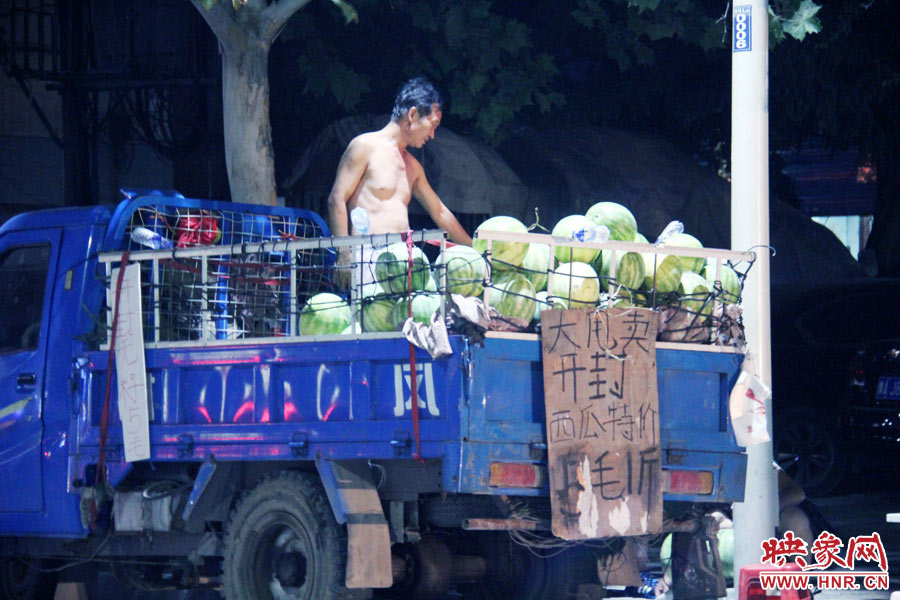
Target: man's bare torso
{"points": [[386, 186]]}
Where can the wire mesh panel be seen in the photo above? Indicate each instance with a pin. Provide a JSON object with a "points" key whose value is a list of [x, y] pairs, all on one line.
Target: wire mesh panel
{"points": [[223, 274]]}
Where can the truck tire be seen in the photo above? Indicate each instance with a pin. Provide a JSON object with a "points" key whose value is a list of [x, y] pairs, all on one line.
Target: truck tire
{"points": [[282, 543], [21, 581]]}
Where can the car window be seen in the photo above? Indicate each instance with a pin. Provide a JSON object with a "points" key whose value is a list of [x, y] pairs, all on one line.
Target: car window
{"points": [[853, 318], [23, 276]]}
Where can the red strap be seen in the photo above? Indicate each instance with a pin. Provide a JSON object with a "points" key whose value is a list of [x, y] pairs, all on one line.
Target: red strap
{"points": [[104, 417], [414, 387]]}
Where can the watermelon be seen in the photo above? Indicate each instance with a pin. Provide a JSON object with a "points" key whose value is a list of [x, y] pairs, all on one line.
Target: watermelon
{"points": [[392, 268], [513, 296], [377, 307], [725, 539], [543, 302], [640, 239], [504, 255], [629, 269], [685, 240], [536, 264], [423, 306], [695, 291], [576, 283], [730, 282], [668, 272], [324, 314], [625, 298], [465, 271], [566, 228], [618, 219]]}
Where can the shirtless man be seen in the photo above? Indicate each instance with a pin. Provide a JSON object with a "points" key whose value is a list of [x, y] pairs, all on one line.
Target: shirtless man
{"points": [[377, 173]]}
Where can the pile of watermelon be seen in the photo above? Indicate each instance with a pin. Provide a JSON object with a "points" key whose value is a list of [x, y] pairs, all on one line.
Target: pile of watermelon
{"points": [[519, 279]]}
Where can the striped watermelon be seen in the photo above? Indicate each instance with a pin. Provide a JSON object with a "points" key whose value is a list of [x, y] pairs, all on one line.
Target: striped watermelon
{"points": [[576, 283], [565, 228], [423, 306], [465, 271], [685, 240], [377, 307], [730, 282], [324, 314], [504, 255], [618, 219], [513, 296], [629, 269], [536, 264], [392, 268], [640, 239], [668, 272], [544, 302], [694, 292]]}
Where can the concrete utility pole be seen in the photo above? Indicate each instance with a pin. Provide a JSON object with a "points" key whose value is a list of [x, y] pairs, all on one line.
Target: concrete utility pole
{"points": [[755, 518]]}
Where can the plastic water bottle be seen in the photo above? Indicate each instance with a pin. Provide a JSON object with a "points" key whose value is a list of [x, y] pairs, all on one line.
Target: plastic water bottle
{"points": [[360, 219], [592, 233], [150, 239], [671, 229]]}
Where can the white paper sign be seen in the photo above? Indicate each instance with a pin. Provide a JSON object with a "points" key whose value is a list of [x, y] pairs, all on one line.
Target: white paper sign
{"points": [[130, 366]]}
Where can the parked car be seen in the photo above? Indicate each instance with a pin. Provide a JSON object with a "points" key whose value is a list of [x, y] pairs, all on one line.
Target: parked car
{"points": [[821, 334], [872, 411]]}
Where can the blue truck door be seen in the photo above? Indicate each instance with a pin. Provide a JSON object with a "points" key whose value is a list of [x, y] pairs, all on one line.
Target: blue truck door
{"points": [[27, 262]]}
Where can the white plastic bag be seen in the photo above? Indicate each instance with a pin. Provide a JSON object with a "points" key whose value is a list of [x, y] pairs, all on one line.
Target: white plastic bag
{"points": [[747, 405]]}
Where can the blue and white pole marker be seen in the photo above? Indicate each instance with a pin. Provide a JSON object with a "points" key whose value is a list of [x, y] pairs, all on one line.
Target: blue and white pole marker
{"points": [[741, 41]]}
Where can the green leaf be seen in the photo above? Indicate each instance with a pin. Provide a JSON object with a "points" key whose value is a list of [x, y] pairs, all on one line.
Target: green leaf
{"points": [[643, 5], [350, 14], [776, 31], [208, 4], [804, 21]]}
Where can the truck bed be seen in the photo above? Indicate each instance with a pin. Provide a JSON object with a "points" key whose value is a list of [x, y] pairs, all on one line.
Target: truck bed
{"points": [[347, 397]]}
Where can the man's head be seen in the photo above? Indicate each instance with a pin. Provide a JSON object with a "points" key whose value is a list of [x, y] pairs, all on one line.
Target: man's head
{"points": [[417, 110], [418, 93]]}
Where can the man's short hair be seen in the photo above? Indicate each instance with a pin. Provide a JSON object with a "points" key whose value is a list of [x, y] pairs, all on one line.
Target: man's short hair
{"points": [[418, 92]]}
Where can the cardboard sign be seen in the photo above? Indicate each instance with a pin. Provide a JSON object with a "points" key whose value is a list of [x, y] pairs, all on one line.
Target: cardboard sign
{"points": [[602, 409], [131, 370]]}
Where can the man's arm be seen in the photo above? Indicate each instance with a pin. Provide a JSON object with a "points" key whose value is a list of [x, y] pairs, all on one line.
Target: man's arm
{"points": [[350, 171], [440, 214]]}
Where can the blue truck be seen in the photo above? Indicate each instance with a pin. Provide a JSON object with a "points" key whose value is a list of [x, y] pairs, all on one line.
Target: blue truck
{"points": [[282, 465]]}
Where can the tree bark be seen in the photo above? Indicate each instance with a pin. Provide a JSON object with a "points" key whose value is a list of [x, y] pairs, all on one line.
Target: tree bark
{"points": [[245, 36], [249, 157]]}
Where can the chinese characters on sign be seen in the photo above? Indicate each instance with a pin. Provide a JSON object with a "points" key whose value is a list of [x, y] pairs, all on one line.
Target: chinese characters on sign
{"points": [[602, 422], [860, 564], [131, 371]]}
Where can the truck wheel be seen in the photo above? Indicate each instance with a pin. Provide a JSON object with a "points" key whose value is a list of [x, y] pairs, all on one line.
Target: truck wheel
{"points": [[282, 543], [20, 581]]}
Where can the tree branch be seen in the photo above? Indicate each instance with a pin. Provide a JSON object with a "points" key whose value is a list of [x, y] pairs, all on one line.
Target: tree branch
{"points": [[222, 21], [277, 14]]}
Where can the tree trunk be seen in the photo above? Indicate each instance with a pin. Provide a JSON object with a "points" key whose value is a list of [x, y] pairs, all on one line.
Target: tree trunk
{"points": [[248, 134]]}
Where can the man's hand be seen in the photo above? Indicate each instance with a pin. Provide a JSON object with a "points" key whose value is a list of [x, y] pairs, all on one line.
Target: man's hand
{"points": [[342, 267]]}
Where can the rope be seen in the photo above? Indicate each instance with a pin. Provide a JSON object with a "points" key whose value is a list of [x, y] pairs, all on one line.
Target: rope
{"points": [[100, 476], [414, 387]]}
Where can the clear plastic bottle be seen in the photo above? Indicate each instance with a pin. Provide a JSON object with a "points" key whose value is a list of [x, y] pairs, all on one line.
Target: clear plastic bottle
{"points": [[593, 233], [150, 239], [359, 217], [671, 229]]}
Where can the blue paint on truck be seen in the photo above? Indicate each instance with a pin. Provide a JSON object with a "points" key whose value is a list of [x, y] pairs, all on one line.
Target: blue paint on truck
{"points": [[271, 406]]}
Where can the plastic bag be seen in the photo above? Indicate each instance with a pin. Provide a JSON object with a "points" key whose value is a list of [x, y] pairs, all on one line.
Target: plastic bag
{"points": [[747, 405]]}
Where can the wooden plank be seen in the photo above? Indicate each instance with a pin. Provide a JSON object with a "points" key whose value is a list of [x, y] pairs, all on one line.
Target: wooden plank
{"points": [[600, 392]]}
